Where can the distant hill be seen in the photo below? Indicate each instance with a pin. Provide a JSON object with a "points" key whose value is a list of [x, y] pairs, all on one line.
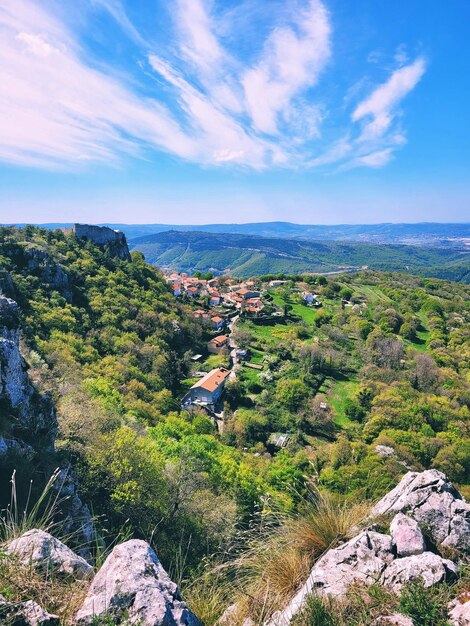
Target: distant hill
{"points": [[425, 233], [245, 255]]}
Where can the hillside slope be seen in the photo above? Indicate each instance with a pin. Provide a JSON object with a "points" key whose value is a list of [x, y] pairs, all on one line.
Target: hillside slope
{"points": [[244, 255]]}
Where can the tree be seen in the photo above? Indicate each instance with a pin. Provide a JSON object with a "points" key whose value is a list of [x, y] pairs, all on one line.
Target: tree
{"points": [[291, 393], [346, 293]]}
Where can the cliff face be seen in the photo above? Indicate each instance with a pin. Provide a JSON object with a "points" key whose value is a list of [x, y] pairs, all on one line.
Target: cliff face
{"points": [[28, 425], [114, 241], [28, 417]]}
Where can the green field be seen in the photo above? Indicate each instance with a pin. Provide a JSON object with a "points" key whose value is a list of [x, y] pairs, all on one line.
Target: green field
{"points": [[339, 392]]}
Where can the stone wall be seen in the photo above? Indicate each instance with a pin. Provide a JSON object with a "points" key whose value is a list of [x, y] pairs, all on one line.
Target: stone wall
{"points": [[113, 240]]}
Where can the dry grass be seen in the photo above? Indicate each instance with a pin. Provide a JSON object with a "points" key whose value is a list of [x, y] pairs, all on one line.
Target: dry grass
{"points": [[58, 595], [281, 554]]}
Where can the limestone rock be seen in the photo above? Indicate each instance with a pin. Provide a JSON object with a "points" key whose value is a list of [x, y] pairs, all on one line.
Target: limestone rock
{"points": [[385, 451], [360, 560], [27, 613], [429, 567], [407, 537], [431, 499], [459, 610], [42, 550], [35, 421], [397, 619], [132, 582]]}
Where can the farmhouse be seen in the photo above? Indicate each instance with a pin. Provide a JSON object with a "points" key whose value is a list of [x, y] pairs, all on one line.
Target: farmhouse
{"points": [[208, 390], [218, 344], [246, 294], [217, 322]]}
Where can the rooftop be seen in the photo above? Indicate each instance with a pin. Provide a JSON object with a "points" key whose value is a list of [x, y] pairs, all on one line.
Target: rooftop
{"points": [[213, 379]]}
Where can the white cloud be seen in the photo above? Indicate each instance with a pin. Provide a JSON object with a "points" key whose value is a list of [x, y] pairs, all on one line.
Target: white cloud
{"points": [[292, 60], [381, 104], [59, 106]]}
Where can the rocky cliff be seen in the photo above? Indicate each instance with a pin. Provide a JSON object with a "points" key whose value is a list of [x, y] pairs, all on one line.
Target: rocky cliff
{"points": [[28, 427]]}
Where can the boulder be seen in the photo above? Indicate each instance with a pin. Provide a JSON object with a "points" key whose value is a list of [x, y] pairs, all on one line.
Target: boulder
{"points": [[25, 614], [407, 538], [431, 499], [385, 452], [429, 567], [43, 551], [397, 619], [133, 583], [360, 560], [459, 610]]}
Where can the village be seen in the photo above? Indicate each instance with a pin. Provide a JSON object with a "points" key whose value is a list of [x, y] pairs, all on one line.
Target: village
{"points": [[219, 304]]}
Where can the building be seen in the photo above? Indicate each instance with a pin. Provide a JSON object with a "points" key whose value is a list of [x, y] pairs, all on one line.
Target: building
{"points": [[208, 390], [217, 322], [246, 294], [214, 298], [176, 289], [191, 292], [218, 344]]}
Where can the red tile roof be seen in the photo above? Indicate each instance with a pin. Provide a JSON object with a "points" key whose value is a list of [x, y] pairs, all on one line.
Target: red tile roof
{"points": [[213, 379]]}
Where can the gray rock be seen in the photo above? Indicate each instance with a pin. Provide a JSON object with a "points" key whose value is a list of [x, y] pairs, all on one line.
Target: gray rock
{"points": [[407, 537], [27, 613], [429, 567], [360, 560], [431, 499], [42, 550], [132, 582], [35, 419], [385, 451], [459, 610], [397, 619]]}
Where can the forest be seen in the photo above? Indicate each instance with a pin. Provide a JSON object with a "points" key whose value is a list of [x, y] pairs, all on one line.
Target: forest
{"points": [[371, 384]]}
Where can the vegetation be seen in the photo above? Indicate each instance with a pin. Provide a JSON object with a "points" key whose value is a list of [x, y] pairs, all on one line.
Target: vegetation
{"points": [[249, 255], [384, 363]]}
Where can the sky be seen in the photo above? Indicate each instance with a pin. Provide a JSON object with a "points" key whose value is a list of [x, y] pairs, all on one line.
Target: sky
{"points": [[203, 111]]}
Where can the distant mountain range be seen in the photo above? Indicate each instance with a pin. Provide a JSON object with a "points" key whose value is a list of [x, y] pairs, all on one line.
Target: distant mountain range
{"points": [[426, 233], [249, 255]]}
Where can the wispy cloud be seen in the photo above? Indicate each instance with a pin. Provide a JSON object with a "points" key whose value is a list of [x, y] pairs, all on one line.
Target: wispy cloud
{"points": [[380, 107], [206, 103], [292, 60]]}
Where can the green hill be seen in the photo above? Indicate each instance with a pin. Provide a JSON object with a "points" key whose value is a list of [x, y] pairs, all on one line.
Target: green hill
{"points": [[244, 255]]}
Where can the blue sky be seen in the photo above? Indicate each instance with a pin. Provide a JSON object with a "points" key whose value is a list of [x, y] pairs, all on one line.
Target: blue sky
{"points": [[196, 111]]}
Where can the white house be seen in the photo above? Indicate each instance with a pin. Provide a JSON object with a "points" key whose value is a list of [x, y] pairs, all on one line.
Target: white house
{"points": [[208, 390]]}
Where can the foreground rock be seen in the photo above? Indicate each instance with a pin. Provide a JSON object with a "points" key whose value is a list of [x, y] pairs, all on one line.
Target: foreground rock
{"points": [[459, 610], [397, 619], [430, 568], [360, 560], [431, 499], [43, 551], [133, 583], [421, 500], [25, 614], [407, 538]]}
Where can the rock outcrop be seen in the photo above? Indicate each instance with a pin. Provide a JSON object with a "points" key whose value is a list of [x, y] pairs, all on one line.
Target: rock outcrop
{"points": [[459, 610], [407, 538], [42, 551], [33, 421], [133, 583], [360, 560], [428, 567], [29, 423], [431, 499], [48, 271], [27, 613], [425, 501]]}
